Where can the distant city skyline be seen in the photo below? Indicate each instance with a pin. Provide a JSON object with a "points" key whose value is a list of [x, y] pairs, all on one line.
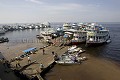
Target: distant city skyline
{"points": [[33, 11]]}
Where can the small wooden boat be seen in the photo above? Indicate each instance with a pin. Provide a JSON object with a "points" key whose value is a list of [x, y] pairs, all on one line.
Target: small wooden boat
{"points": [[108, 41], [66, 59], [75, 49], [82, 58], [2, 40], [39, 37]]}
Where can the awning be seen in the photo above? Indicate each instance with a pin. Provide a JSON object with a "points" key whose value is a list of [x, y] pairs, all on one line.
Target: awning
{"points": [[30, 49]]}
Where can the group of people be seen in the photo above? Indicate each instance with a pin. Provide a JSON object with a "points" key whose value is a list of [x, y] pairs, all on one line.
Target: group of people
{"points": [[18, 62], [29, 60]]}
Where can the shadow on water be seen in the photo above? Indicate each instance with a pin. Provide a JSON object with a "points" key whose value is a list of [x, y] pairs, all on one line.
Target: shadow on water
{"points": [[6, 72], [1, 56], [93, 50], [2, 35]]}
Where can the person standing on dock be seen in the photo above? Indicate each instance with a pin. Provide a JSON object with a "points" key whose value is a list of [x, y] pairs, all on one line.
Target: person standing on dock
{"points": [[18, 63], [55, 56], [41, 66], [53, 53], [43, 51], [29, 60]]}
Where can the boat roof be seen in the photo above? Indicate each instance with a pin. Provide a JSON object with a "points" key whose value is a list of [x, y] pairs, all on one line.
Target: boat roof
{"points": [[68, 33], [30, 49]]}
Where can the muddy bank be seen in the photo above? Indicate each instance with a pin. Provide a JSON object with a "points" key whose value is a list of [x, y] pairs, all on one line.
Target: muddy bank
{"points": [[92, 69]]}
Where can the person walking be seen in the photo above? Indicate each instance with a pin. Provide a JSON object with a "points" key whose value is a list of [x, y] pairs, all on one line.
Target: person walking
{"points": [[55, 56], [29, 59], [43, 51], [53, 53], [41, 66], [18, 64]]}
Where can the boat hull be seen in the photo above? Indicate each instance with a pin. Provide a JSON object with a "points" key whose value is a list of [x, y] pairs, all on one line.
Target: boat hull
{"points": [[77, 43], [66, 63], [95, 44], [2, 40]]}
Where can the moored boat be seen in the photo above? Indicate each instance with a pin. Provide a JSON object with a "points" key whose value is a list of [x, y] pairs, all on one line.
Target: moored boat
{"points": [[39, 37], [2, 40], [74, 49], [48, 34], [69, 59], [108, 41], [66, 26], [66, 59], [75, 26], [89, 33], [79, 37], [97, 35], [2, 31]]}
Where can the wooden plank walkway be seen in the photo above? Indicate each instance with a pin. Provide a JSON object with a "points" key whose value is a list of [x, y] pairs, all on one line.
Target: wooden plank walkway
{"points": [[33, 68]]}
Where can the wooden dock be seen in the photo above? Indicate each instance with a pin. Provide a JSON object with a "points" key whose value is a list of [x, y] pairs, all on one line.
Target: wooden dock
{"points": [[32, 69]]}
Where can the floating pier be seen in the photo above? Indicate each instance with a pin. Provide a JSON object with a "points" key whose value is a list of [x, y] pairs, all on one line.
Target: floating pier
{"points": [[31, 70]]}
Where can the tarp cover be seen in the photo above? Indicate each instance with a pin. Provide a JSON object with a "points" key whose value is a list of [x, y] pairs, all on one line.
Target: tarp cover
{"points": [[30, 49]]}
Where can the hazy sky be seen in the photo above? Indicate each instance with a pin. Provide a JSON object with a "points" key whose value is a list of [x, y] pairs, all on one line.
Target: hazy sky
{"points": [[15, 11]]}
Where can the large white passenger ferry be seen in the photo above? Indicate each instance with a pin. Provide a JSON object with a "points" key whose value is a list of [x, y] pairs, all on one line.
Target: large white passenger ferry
{"points": [[91, 33], [66, 26], [97, 34]]}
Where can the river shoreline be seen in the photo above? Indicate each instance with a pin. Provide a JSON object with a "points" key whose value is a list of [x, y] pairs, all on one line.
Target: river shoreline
{"points": [[92, 69], [31, 69], [95, 68]]}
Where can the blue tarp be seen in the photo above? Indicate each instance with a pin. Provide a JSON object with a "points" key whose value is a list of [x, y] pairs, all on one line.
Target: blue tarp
{"points": [[28, 50]]}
